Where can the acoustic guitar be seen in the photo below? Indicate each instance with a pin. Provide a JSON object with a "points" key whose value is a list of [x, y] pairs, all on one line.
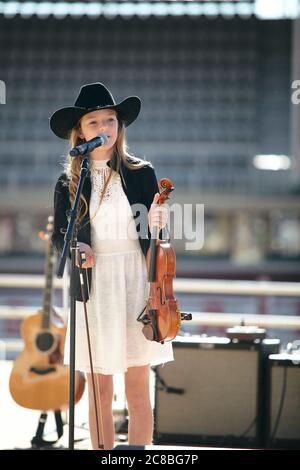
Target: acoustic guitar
{"points": [[39, 380]]}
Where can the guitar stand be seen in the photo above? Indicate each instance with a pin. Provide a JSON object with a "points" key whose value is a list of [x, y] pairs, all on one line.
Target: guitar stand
{"points": [[37, 441]]}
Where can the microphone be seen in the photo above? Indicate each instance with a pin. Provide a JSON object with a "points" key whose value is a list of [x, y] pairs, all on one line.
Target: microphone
{"points": [[89, 146]]}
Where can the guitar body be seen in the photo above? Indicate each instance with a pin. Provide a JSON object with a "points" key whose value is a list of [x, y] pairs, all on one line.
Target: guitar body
{"points": [[39, 380]]}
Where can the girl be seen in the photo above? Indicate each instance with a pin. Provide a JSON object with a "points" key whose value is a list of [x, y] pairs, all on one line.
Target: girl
{"points": [[115, 241]]}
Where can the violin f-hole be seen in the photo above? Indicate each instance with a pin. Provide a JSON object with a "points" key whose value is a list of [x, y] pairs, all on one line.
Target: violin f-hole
{"points": [[162, 301]]}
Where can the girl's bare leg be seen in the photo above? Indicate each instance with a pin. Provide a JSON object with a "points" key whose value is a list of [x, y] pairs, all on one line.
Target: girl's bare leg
{"points": [[139, 406]]}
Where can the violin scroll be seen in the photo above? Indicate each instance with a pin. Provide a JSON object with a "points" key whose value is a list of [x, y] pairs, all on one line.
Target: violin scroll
{"points": [[167, 187]]}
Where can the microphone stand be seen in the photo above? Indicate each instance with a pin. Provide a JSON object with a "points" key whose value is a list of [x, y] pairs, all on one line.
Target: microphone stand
{"points": [[71, 243]]}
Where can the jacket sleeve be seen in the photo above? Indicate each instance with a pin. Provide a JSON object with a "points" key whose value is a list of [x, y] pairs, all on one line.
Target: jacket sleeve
{"points": [[61, 206]]}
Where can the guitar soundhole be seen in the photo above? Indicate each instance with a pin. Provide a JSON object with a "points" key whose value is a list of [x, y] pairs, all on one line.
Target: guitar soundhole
{"points": [[44, 341]]}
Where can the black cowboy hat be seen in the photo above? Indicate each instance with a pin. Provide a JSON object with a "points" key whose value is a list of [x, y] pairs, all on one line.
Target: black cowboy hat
{"points": [[93, 96]]}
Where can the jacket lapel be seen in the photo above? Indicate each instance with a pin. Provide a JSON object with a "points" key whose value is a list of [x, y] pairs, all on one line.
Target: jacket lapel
{"points": [[86, 190], [131, 184]]}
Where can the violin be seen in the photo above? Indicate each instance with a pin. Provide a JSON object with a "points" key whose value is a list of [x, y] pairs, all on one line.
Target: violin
{"points": [[162, 317]]}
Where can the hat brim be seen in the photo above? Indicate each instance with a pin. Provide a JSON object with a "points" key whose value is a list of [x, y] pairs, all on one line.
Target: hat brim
{"points": [[64, 119]]}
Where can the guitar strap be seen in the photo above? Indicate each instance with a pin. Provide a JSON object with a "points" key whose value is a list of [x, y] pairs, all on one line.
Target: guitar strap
{"points": [[84, 285]]}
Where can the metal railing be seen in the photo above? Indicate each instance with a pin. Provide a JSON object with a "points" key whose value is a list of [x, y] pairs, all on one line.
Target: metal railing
{"points": [[184, 286], [181, 285]]}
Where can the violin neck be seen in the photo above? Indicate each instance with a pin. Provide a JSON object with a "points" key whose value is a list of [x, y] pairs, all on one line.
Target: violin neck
{"points": [[152, 262]]}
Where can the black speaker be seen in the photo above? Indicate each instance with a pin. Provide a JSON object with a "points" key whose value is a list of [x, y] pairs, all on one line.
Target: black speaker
{"points": [[213, 393], [284, 401]]}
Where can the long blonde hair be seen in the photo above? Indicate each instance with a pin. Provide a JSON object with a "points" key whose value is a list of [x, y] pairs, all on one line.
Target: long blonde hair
{"points": [[73, 166]]}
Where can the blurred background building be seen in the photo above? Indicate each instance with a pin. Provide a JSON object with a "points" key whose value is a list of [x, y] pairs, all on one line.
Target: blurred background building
{"points": [[220, 88], [216, 80]]}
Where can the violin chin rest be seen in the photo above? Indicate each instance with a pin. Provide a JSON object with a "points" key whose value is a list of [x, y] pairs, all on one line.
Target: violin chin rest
{"points": [[148, 332]]}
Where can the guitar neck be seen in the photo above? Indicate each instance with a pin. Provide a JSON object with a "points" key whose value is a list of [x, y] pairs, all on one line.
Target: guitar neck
{"points": [[47, 301]]}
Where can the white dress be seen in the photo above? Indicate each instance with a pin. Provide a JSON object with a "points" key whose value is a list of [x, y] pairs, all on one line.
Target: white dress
{"points": [[119, 287]]}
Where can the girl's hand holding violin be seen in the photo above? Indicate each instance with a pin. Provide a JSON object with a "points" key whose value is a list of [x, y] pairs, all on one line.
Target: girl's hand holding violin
{"points": [[158, 214], [89, 255]]}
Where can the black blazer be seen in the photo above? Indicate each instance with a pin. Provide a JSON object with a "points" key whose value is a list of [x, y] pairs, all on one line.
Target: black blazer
{"points": [[140, 187]]}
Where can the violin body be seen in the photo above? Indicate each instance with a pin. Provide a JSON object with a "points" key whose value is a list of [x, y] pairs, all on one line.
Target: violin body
{"points": [[161, 297], [39, 380]]}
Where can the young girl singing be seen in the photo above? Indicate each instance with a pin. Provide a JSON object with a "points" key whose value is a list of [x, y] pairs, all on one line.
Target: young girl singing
{"points": [[115, 241]]}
